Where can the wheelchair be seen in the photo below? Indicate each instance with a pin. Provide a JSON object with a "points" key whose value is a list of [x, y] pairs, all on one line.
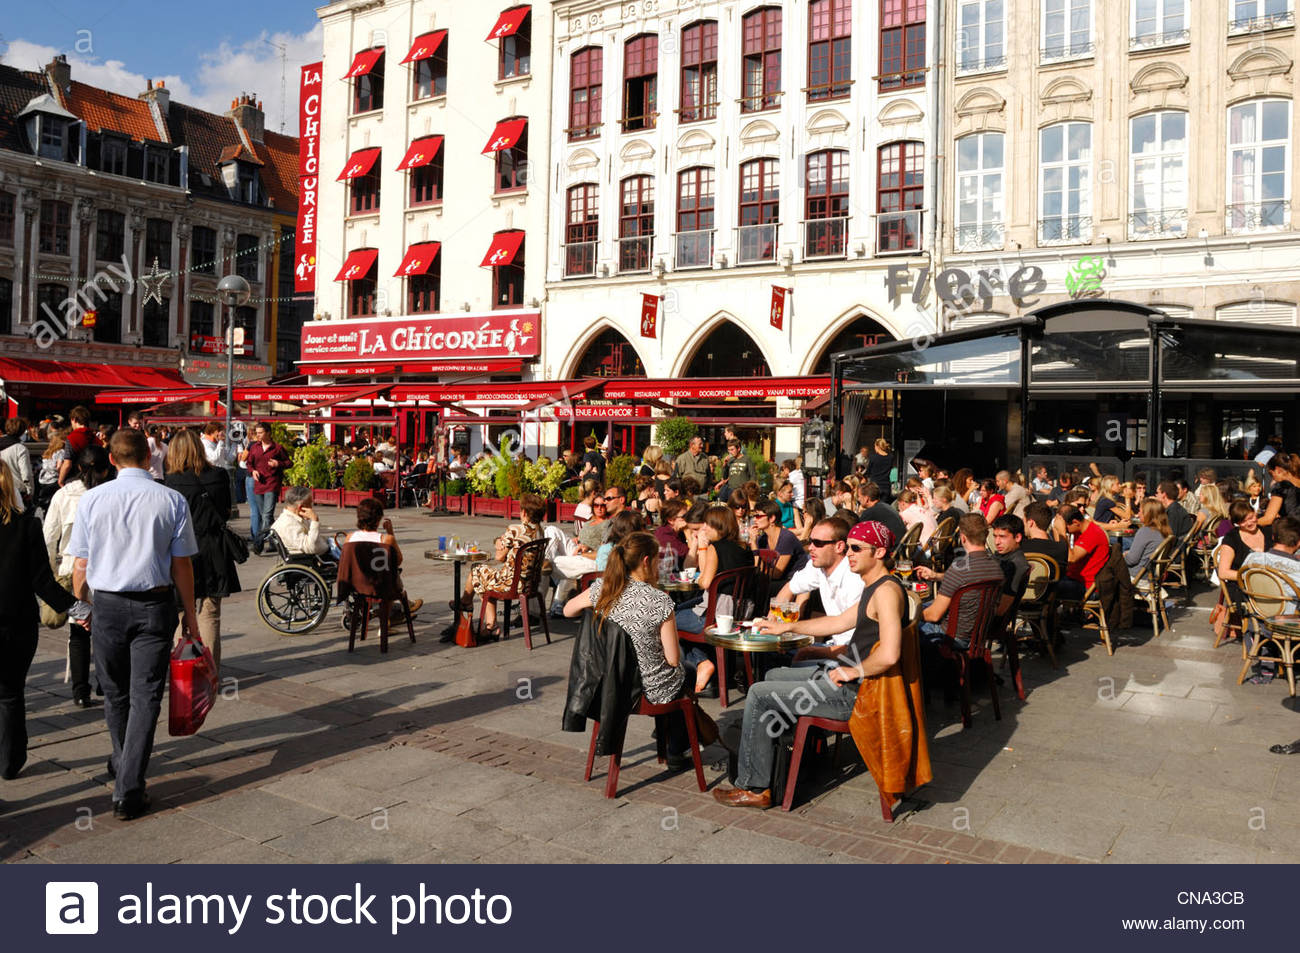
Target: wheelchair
{"points": [[296, 595]]}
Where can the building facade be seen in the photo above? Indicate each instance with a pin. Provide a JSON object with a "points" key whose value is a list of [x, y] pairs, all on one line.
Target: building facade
{"points": [[118, 216]]}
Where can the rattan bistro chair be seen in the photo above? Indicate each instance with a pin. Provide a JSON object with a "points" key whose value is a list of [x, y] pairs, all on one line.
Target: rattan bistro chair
{"points": [[1267, 595], [1148, 584], [1037, 610]]}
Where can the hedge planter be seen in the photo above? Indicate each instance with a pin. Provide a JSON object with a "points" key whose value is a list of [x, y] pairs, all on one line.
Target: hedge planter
{"points": [[353, 497], [458, 504], [564, 512], [328, 497], [492, 506]]}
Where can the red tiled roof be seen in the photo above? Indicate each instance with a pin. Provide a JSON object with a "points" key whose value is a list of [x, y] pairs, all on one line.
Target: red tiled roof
{"points": [[17, 89], [238, 152], [279, 155], [102, 109]]}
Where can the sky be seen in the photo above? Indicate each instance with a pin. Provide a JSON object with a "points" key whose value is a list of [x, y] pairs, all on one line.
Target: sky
{"points": [[207, 55]]}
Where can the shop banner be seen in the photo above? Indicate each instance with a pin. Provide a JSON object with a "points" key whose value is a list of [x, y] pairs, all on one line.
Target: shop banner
{"points": [[309, 89], [719, 388], [494, 334], [778, 307], [598, 412], [649, 315]]}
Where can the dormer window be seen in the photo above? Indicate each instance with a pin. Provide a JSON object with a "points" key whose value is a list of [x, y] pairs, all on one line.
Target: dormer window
{"points": [[250, 185], [112, 156], [54, 136], [48, 126]]}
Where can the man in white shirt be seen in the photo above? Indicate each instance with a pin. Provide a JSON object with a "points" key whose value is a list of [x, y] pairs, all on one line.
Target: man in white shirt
{"points": [[796, 479], [214, 446], [828, 573]]}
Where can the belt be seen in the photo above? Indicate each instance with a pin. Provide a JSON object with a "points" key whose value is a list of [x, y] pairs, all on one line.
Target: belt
{"points": [[143, 595]]}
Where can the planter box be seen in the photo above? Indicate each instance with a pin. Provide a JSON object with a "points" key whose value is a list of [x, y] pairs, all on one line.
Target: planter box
{"points": [[564, 512], [353, 497], [491, 506], [458, 504], [332, 497]]}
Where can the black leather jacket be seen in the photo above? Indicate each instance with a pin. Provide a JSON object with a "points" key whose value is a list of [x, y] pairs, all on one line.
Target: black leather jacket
{"points": [[604, 682]]}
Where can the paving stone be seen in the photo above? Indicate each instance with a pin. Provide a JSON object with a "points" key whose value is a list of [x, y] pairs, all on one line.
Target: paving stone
{"points": [[1047, 827], [733, 846], [543, 812], [153, 839], [331, 795], [461, 836], [1135, 846], [239, 852], [636, 835], [530, 850], [462, 787], [257, 814], [389, 768], [342, 841]]}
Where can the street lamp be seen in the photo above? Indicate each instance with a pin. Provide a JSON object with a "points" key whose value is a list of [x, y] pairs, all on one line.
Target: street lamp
{"points": [[234, 291]]}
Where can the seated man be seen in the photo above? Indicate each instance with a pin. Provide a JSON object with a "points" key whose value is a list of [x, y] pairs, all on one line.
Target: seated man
{"points": [[871, 507], [1008, 532], [880, 615], [299, 529], [1038, 539], [1282, 557], [1089, 550], [828, 573], [973, 564]]}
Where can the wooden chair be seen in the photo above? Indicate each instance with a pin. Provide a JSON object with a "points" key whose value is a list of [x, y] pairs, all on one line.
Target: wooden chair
{"points": [[987, 595], [368, 578], [526, 587], [765, 575], [1177, 574], [1091, 608], [1038, 607], [1268, 594], [734, 583], [1148, 585]]}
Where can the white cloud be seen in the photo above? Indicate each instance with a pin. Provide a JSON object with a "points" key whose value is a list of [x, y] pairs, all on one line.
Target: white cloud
{"points": [[222, 75]]}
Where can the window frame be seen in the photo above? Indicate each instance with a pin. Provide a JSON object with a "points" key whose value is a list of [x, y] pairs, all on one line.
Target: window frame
{"points": [[592, 59], [108, 317], [197, 264], [364, 193], [509, 276], [1242, 221], [636, 192], [767, 207], [433, 71], [982, 226], [362, 293], [117, 249], [207, 327], [373, 84], [837, 47], [521, 37], [421, 290], [1082, 233], [6, 306], [248, 266], [1069, 51], [583, 230], [643, 48], [510, 166], [703, 191], [1160, 159], [766, 58], [826, 211], [985, 64], [1161, 36], [431, 170], [55, 234], [910, 32], [696, 58], [156, 244], [112, 147], [8, 218], [1259, 22], [155, 314], [910, 197]]}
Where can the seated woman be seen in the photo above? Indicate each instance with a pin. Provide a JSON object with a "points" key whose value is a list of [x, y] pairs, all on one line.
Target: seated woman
{"points": [[1213, 513], [913, 510], [1108, 510], [299, 529], [738, 502], [485, 578], [620, 527], [374, 527], [591, 491], [1246, 537], [992, 503], [718, 549], [807, 516], [647, 499], [627, 597], [768, 533], [1155, 527]]}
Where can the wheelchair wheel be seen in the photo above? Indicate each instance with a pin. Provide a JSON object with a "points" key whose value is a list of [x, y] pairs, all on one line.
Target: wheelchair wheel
{"points": [[293, 599]]}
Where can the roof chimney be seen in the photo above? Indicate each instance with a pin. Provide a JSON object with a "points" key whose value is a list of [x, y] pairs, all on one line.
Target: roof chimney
{"points": [[158, 95], [247, 112], [59, 72]]}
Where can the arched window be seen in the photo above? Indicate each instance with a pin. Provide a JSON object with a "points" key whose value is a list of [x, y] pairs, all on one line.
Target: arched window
{"points": [[640, 82], [699, 71], [902, 43], [636, 223], [1065, 183], [1158, 175], [584, 93], [1259, 154], [830, 30], [981, 202], [761, 51]]}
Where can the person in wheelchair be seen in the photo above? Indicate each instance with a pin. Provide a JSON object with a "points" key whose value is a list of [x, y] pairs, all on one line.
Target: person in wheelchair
{"points": [[299, 529]]}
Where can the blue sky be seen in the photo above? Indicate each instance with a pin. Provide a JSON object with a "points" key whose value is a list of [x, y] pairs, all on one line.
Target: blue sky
{"points": [[208, 53]]}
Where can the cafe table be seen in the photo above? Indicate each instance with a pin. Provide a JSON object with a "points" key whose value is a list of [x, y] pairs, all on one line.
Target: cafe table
{"points": [[457, 559], [1284, 632]]}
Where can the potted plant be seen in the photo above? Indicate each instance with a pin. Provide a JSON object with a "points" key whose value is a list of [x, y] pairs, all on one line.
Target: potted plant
{"points": [[674, 435], [312, 467], [621, 472], [567, 505], [358, 481], [456, 495]]}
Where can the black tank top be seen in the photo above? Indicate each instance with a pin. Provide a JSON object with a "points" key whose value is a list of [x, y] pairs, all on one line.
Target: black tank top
{"points": [[867, 631]]}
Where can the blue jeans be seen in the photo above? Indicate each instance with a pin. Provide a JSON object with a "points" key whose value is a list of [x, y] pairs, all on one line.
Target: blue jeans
{"points": [[254, 517], [934, 633], [773, 706], [688, 621], [262, 515], [132, 639]]}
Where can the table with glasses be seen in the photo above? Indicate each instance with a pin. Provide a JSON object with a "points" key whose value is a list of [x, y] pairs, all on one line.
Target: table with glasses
{"points": [[457, 559], [745, 639]]}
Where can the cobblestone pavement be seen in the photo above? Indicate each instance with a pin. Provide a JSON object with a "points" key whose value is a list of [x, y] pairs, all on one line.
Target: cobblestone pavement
{"points": [[434, 753]]}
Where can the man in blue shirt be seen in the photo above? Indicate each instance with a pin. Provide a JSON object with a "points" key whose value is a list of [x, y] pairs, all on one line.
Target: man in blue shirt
{"points": [[132, 541]]}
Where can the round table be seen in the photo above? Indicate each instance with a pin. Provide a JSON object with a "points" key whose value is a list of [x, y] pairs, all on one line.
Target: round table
{"points": [[457, 560], [746, 640]]}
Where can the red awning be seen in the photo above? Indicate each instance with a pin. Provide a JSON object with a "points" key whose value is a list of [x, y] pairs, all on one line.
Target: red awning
{"points": [[419, 257], [485, 366], [511, 390], [425, 45], [354, 393], [301, 394], [505, 135], [358, 264], [156, 377], [505, 245], [422, 152], [364, 62], [188, 395], [508, 23], [359, 163], [80, 374], [723, 387], [568, 392]]}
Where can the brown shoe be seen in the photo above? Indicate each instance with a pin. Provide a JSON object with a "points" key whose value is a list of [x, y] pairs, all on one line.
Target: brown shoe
{"points": [[739, 797], [415, 606]]}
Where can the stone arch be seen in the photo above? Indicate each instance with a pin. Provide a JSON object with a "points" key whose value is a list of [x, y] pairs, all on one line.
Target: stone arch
{"points": [[722, 321], [695, 140], [759, 132], [1261, 70], [981, 109], [858, 319], [578, 353]]}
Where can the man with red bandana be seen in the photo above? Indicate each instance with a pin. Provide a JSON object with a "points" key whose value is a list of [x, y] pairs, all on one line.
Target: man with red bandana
{"points": [[773, 705]]}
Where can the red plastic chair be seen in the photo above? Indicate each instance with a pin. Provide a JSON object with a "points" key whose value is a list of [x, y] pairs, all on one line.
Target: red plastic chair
{"points": [[987, 594], [686, 706], [735, 583], [526, 586]]}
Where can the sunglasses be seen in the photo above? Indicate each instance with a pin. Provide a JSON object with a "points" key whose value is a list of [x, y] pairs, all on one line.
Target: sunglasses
{"points": [[597, 503], [611, 499], [859, 548], [820, 542]]}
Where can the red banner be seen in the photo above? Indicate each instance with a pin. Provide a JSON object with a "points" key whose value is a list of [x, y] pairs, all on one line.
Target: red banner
{"points": [[304, 269], [778, 307], [598, 412], [649, 315], [723, 388], [412, 367], [206, 344], [494, 334]]}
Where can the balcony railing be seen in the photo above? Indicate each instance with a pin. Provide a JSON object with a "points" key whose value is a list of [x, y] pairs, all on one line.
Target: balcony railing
{"points": [[580, 259], [1257, 216], [589, 131], [638, 123], [756, 243], [979, 237], [1272, 21], [1065, 230], [697, 113], [760, 102], [694, 249], [1157, 223], [825, 237], [1150, 41], [634, 253], [1055, 52], [898, 231], [969, 63]]}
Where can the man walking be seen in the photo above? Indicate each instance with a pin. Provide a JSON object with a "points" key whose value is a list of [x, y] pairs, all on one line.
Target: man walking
{"points": [[132, 542], [739, 470], [267, 462]]}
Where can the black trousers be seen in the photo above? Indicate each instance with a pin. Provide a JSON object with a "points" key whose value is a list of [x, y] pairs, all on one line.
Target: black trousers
{"points": [[17, 649], [132, 639]]}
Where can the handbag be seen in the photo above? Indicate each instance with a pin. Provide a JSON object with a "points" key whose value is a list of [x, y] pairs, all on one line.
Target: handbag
{"points": [[235, 545], [192, 686], [49, 618], [465, 637]]}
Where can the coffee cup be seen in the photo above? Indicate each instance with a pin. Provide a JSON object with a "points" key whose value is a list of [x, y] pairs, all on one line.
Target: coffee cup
{"points": [[725, 623]]}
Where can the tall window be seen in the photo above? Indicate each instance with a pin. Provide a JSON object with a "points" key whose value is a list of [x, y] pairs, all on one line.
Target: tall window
{"points": [[108, 319], [695, 199], [6, 306], [49, 300], [1067, 29], [430, 73], [699, 71], [110, 230], [760, 210], [1248, 15], [361, 293], [1158, 175], [424, 292], [426, 181], [1259, 154], [1157, 22], [980, 192], [640, 82], [512, 166], [157, 242], [6, 218], [902, 43], [112, 156], [1065, 187], [636, 223], [365, 192], [830, 26], [508, 282], [981, 35], [246, 318], [761, 48], [157, 168], [201, 319], [584, 93], [155, 329], [247, 257], [900, 195], [203, 250], [826, 203], [517, 50], [56, 227], [581, 230], [368, 89]]}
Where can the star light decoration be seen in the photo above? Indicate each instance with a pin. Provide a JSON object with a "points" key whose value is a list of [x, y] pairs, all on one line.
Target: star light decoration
{"points": [[152, 284]]}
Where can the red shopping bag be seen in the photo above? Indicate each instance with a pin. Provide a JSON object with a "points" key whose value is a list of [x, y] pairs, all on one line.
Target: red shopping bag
{"points": [[192, 689]]}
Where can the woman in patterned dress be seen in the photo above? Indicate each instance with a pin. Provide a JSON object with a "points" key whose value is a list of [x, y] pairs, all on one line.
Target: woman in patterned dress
{"points": [[499, 576]]}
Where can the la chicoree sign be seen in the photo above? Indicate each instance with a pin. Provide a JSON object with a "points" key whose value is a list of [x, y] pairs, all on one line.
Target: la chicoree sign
{"points": [[491, 335]]}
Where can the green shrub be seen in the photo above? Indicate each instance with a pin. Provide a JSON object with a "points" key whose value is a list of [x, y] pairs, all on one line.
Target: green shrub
{"points": [[544, 477], [311, 466], [621, 472], [571, 494], [283, 435], [482, 477], [674, 435], [761, 466], [455, 487], [359, 475], [509, 479]]}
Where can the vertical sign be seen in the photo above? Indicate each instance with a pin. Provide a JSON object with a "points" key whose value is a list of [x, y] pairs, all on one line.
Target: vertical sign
{"points": [[778, 307], [649, 315], [304, 269]]}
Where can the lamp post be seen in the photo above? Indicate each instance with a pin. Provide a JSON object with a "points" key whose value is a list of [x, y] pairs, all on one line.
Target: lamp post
{"points": [[234, 291]]}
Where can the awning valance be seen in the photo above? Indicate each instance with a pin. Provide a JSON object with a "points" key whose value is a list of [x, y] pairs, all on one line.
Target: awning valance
{"points": [[421, 152], [425, 45], [358, 264]]}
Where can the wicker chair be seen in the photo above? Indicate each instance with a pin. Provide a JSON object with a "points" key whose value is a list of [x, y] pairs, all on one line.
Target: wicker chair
{"points": [[1148, 584]]}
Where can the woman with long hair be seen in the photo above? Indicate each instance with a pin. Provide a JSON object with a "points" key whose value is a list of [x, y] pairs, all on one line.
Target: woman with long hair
{"points": [[880, 468], [47, 479], [1246, 537], [1108, 509], [585, 508], [1154, 530], [716, 548], [647, 499], [738, 503], [91, 468], [207, 491], [961, 483], [992, 503], [1214, 511], [806, 516], [1284, 494], [627, 597], [620, 527], [498, 577]]}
